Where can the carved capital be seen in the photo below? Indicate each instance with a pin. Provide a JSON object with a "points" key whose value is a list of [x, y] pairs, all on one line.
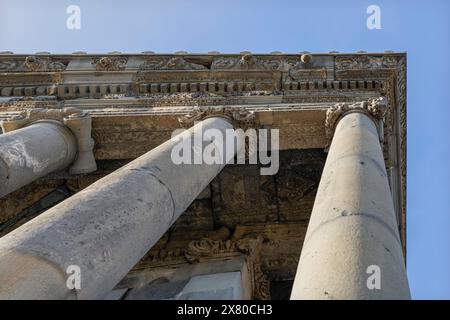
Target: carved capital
{"points": [[241, 118], [28, 116], [374, 108], [76, 120]]}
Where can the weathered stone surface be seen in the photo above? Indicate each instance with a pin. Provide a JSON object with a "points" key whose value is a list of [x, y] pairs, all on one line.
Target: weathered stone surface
{"points": [[133, 208], [241, 195], [198, 216], [131, 136], [353, 227], [136, 100], [297, 182], [32, 152], [281, 246]]}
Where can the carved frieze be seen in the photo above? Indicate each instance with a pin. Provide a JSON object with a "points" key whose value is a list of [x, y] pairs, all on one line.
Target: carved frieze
{"points": [[365, 62], [293, 68], [244, 62], [400, 94], [8, 65], [32, 64], [170, 63], [249, 62], [109, 63], [206, 248]]}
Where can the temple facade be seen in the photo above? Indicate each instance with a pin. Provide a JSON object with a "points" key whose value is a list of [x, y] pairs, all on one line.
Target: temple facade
{"points": [[93, 205]]}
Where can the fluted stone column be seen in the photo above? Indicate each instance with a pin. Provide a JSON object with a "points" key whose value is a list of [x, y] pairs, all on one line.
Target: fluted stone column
{"points": [[106, 228], [352, 239], [41, 141]]}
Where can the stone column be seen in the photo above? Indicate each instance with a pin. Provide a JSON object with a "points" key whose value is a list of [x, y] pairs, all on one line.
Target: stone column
{"points": [[41, 141], [352, 248], [32, 152], [106, 228]]}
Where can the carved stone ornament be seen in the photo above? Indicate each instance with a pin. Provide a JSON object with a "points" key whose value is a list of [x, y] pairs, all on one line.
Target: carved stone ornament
{"points": [[110, 63], [29, 116], [170, 63], [365, 62], [241, 118], [376, 108], [251, 247], [56, 66], [207, 247], [32, 64], [250, 62], [8, 65], [244, 62]]}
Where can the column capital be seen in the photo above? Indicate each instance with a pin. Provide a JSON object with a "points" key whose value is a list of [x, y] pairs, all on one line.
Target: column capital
{"points": [[79, 123], [239, 117], [374, 108], [28, 116]]}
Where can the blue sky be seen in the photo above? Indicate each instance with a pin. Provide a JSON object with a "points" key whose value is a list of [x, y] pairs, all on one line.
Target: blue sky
{"points": [[421, 28]]}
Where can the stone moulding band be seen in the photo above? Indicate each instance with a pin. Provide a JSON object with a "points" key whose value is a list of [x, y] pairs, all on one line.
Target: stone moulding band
{"points": [[79, 123], [374, 108]]}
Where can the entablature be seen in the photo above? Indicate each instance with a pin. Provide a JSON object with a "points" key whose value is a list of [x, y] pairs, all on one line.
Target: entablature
{"points": [[135, 100]]}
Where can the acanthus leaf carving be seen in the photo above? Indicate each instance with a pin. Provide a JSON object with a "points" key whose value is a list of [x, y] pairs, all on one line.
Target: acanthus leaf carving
{"points": [[365, 62], [250, 62], [109, 63], [375, 108], [29, 116], [245, 62], [32, 64]]}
